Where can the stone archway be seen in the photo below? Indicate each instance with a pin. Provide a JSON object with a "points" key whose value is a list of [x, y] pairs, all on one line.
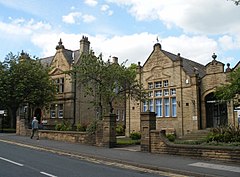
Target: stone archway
{"points": [[216, 111]]}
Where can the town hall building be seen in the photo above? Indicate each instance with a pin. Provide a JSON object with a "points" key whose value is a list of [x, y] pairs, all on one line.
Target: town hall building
{"points": [[181, 93]]}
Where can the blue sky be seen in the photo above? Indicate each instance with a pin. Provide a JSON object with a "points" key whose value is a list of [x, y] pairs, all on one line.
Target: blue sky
{"points": [[127, 29]]}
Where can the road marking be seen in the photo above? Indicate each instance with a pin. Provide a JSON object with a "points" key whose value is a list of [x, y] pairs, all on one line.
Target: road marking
{"points": [[216, 166], [98, 161], [7, 160], [47, 174]]}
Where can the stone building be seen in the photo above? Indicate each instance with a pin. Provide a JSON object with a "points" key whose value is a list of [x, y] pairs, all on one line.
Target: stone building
{"points": [[181, 93], [71, 104]]}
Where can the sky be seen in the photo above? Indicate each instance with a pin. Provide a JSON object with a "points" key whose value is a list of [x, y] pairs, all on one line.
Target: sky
{"points": [[127, 29]]}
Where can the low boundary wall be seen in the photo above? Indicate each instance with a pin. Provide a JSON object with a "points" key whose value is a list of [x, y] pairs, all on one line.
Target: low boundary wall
{"points": [[68, 136], [160, 144]]}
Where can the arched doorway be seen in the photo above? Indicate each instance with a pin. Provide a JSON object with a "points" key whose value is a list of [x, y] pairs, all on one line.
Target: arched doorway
{"points": [[216, 112], [38, 114]]}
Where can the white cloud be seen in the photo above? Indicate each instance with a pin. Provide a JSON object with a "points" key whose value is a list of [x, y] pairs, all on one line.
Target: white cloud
{"points": [[71, 17], [204, 17], [88, 18], [134, 48], [75, 17], [196, 48], [105, 8], [229, 43], [23, 27], [91, 2]]}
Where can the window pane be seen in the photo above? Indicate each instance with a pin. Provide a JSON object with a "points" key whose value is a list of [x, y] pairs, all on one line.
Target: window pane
{"points": [[158, 93], [60, 111], [150, 85], [173, 91], [166, 107], [151, 105], [166, 92], [165, 83], [158, 107], [145, 106], [174, 107], [150, 94], [158, 84], [52, 111]]}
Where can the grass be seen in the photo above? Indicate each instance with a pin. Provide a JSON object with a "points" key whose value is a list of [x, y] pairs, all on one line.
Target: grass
{"points": [[127, 141]]}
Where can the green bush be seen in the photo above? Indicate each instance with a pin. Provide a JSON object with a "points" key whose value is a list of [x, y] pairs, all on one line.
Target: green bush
{"points": [[171, 137], [120, 130], [227, 134], [135, 135], [64, 126], [81, 127]]}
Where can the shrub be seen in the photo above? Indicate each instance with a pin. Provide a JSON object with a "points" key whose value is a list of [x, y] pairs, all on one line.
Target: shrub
{"points": [[171, 137], [81, 127], [64, 126], [120, 129], [227, 134], [135, 135]]}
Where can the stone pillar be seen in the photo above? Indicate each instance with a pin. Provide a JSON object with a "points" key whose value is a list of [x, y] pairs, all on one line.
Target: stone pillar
{"points": [[99, 134], [148, 123], [109, 130], [21, 128]]}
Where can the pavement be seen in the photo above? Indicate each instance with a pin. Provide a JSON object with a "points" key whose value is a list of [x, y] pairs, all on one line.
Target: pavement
{"points": [[130, 157]]}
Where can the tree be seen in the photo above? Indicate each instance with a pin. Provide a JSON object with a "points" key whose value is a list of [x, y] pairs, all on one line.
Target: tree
{"points": [[231, 90], [24, 80], [106, 81], [237, 2]]}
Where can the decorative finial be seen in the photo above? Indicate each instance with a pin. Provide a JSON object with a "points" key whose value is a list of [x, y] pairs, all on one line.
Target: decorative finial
{"points": [[214, 56], [60, 46]]}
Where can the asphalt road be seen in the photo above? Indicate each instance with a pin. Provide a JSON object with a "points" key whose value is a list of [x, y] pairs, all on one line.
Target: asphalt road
{"points": [[18, 161], [140, 163]]}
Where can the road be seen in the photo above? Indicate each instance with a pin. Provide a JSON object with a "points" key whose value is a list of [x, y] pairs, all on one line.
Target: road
{"points": [[16, 161]]}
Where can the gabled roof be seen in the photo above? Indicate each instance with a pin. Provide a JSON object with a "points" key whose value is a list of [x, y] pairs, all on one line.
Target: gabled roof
{"points": [[68, 54], [46, 61], [189, 66]]}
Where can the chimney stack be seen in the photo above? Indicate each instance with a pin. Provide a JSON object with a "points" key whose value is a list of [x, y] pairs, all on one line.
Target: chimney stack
{"points": [[115, 60], [84, 45]]}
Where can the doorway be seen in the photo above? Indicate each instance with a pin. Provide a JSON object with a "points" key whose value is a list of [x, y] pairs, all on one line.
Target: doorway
{"points": [[216, 112]]}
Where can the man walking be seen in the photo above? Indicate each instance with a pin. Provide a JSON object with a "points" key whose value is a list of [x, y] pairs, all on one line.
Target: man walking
{"points": [[35, 127]]}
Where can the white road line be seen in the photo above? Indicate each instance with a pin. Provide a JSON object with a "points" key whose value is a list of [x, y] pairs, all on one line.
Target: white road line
{"points": [[47, 174], [216, 166], [7, 160]]}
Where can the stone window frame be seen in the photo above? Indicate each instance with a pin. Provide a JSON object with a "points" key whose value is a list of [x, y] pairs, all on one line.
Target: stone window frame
{"points": [[166, 93], [59, 82], [57, 111]]}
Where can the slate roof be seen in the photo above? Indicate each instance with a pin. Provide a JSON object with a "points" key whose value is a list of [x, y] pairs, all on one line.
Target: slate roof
{"points": [[68, 54], [189, 66]]}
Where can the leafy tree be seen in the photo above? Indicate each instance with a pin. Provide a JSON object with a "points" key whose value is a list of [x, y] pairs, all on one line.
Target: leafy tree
{"points": [[231, 90], [24, 80], [237, 2], [106, 81]]}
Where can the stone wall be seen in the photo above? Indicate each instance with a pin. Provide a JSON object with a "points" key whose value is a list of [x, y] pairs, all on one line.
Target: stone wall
{"points": [[105, 134], [68, 136], [159, 144]]}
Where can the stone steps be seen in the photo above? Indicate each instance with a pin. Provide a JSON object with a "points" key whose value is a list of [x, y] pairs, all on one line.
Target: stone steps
{"points": [[195, 135]]}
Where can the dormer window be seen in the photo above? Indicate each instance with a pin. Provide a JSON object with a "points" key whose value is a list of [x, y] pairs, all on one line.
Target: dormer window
{"points": [[60, 85]]}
